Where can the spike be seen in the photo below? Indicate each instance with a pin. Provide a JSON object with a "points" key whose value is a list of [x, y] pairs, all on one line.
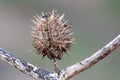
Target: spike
{"points": [[52, 35]]}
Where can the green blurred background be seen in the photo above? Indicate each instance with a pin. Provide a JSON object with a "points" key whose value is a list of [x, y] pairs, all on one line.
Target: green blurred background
{"points": [[94, 22]]}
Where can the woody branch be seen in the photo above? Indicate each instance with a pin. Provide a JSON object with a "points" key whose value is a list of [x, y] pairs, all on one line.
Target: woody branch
{"points": [[64, 74], [90, 61], [25, 67]]}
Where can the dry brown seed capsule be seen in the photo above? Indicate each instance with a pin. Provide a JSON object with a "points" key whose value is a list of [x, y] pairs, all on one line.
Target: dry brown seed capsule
{"points": [[52, 35]]}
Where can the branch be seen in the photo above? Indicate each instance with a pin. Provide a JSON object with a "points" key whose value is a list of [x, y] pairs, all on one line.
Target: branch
{"points": [[25, 67], [64, 74], [71, 71]]}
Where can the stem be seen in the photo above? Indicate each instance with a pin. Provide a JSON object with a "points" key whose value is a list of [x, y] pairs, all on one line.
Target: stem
{"points": [[73, 70], [56, 66], [25, 67]]}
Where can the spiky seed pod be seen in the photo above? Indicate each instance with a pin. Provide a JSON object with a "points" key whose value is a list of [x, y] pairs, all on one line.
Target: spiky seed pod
{"points": [[52, 35]]}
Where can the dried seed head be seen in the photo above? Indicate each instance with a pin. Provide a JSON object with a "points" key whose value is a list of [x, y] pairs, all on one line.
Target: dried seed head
{"points": [[51, 35]]}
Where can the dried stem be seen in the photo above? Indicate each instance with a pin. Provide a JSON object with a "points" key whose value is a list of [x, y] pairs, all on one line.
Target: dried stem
{"points": [[25, 67], [90, 61], [56, 67], [64, 74]]}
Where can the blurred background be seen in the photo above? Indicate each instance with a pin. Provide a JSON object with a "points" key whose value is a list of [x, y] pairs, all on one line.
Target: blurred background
{"points": [[94, 22]]}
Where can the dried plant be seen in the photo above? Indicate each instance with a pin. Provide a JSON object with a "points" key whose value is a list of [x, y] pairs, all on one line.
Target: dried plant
{"points": [[52, 35]]}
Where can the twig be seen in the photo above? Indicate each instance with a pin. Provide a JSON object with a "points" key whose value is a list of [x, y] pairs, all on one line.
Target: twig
{"points": [[90, 61], [25, 67], [64, 74]]}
